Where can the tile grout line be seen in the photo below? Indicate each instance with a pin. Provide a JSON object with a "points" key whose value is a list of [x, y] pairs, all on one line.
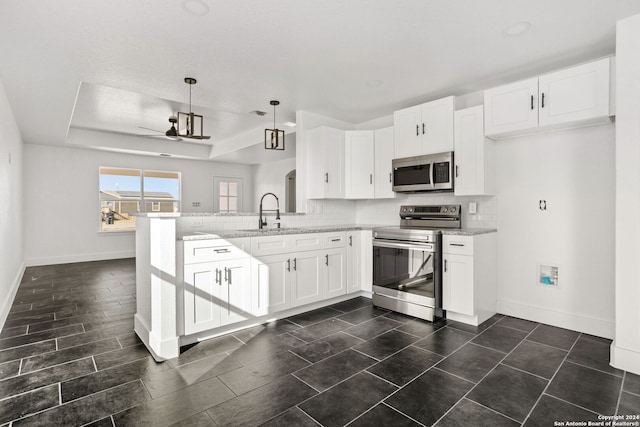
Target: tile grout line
{"points": [[624, 375], [487, 374], [595, 369], [551, 380]]}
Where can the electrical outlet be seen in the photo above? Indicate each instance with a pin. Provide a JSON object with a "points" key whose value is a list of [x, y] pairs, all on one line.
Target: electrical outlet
{"points": [[195, 204], [473, 207]]}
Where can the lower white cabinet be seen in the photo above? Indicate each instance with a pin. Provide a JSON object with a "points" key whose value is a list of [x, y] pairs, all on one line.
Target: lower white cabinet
{"points": [[335, 274], [354, 266], [271, 290], [469, 277], [216, 294], [306, 279]]}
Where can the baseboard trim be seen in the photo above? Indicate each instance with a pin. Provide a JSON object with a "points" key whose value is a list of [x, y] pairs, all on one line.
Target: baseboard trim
{"points": [[589, 325], [625, 359], [67, 259], [8, 302], [161, 350]]}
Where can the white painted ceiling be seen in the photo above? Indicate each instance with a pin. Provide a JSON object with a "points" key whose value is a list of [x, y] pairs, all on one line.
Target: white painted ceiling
{"points": [[308, 54]]}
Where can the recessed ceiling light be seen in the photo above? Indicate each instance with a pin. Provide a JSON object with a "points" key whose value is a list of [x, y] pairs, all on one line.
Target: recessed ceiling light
{"points": [[517, 29], [289, 124], [195, 7], [374, 83]]}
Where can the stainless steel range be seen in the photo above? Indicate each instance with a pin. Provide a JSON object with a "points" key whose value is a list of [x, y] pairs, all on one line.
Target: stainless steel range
{"points": [[407, 260]]}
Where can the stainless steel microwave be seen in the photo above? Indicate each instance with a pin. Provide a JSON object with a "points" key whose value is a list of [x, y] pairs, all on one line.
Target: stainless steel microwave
{"points": [[432, 172]]}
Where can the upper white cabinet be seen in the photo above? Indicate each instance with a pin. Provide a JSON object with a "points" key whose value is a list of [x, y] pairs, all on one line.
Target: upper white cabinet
{"points": [[424, 129], [575, 95], [368, 156], [473, 154], [325, 163], [384, 152], [359, 164]]}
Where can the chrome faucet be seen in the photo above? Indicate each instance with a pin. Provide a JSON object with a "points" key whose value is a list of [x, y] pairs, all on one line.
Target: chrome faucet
{"points": [[263, 222]]}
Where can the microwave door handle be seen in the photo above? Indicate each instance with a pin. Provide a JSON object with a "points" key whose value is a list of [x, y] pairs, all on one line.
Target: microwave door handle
{"points": [[433, 184]]}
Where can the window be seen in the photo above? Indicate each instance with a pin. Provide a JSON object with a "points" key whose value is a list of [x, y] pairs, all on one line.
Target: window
{"points": [[124, 192], [227, 194]]}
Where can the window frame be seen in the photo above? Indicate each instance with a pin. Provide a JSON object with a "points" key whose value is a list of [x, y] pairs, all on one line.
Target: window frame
{"points": [[141, 201]]}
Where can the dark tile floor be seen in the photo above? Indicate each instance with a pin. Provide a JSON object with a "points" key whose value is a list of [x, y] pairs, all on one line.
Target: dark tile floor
{"points": [[68, 356]]}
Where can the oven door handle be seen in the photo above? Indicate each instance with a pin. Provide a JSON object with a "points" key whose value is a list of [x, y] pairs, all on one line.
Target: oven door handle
{"points": [[380, 243], [431, 169]]}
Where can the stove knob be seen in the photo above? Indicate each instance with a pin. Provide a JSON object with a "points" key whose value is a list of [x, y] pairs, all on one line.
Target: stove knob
{"points": [[453, 209], [404, 210], [410, 210], [445, 210]]}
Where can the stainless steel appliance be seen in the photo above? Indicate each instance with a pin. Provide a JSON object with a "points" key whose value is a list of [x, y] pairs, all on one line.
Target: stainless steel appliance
{"points": [[407, 261], [433, 172]]}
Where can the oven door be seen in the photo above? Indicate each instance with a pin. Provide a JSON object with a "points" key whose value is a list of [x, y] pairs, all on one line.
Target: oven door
{"points": [[407, 271]]}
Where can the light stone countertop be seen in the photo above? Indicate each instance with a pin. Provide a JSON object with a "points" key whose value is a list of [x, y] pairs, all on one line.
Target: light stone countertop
{"points": [[233, 234]]}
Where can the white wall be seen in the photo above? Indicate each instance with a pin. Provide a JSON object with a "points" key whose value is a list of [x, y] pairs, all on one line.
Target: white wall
{"points": [[625, 352], [574, 172], [11, 210], [62, 208], [271, 177]]}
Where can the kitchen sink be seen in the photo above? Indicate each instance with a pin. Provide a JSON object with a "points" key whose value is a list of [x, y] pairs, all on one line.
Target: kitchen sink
{"points": [[265, 230]]}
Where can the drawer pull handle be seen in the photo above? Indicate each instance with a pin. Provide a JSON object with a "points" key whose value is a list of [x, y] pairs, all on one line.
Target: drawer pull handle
{"points": [[336, 240], [457, 244], [221, 251]]}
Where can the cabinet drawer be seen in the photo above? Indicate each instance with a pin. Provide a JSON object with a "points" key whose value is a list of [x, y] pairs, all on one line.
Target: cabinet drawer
{"points": [[210, 250], [306, 242], [334, 240], [461, 245], [270, 245]]}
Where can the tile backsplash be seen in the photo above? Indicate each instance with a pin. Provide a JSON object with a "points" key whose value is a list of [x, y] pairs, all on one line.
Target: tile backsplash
{"points": [[336, 212]]}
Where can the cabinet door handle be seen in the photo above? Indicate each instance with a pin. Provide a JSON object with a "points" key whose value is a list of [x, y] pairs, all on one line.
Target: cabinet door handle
{"points": [[423, 130], [445, 265], [218, 275], [370, 178], [230, 280], [226, 274], [532, 102], [350, 240], [542, 105], [389, 176], [289, 265], [417, 130], [326, 259], [457, 171], [294, 264], [326, 177]]}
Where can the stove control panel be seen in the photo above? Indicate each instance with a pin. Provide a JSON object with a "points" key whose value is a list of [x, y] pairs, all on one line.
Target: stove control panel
{"points": [[430, 210]]}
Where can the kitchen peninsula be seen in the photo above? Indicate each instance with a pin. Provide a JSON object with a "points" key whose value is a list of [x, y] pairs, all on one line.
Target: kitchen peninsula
{"points": [[194, 285]]}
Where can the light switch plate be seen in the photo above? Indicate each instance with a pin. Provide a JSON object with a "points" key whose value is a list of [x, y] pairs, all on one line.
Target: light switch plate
{"points": [[473, 207]]}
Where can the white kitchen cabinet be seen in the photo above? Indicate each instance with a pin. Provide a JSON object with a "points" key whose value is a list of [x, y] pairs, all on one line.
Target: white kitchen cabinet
{"points": [[424, 129], [574, 96], [307, 277], [335, 280], [354, 264], [359, 164], [382, 174], [325, 163], [469, 291], [216, 293], [271, 290], [473, 154]]}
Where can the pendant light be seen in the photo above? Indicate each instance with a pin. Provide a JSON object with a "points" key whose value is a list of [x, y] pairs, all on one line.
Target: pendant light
{"points": [[274, 138], [189, 124]]}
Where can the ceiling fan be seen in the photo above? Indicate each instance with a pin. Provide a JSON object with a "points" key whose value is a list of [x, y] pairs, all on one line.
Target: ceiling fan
{"points": [[189, 125]]}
